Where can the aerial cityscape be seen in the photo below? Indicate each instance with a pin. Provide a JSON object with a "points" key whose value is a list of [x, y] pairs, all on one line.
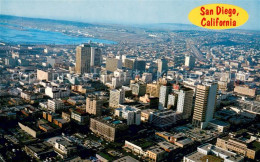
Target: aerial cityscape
{"points": [[77, 91]]}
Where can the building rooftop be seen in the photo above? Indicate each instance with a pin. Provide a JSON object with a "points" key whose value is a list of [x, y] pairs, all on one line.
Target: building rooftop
{"points": [[156, 149], [126, 159]]}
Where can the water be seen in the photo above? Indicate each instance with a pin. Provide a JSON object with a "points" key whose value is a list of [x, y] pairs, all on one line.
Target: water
{"points": [[12, 34]]}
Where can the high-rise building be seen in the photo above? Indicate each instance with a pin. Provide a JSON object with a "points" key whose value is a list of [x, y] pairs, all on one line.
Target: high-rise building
{"points": [[129, 63], [139, 65], [163, 96], [138, 89], [95, 57], [189, 61], [172, 100], [83, 59], [112, 64], [162, 66], [153, 89], [117, 96], [205, 104], [94, 105], [184, 104], [55, 104]]}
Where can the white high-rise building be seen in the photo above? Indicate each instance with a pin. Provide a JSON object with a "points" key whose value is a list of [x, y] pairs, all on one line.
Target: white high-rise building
{"points": [[189, 61], [184, 104], [117, 96], [55, 104], [163, 96]]}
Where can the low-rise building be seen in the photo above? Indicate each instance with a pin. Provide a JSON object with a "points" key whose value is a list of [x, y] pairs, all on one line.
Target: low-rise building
{"points": [[209, 152], [40, 150], [155, 154], [64, 148], [248, 149], [107, 127]]}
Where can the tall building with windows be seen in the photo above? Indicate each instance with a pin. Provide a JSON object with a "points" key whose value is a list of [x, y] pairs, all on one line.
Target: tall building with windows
{"points": [[87, 56], [205, 104], [184, 104], [83, 59], [94, 105], [112, 64], [189, 61], [162, 66], [117, 96], [95, 57], [163, 96], [153, 89]]}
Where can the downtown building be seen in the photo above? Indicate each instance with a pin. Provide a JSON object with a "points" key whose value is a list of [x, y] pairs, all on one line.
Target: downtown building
{"points": [[184, 104], [190, 61], [117, 97], [205, 104], [112, 64], [108, 128], [163, 96], [131, 114], [94, 105], [87, 56]]}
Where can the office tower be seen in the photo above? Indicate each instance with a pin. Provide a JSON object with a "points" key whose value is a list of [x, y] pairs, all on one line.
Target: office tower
{"points": [[172, 100], [184, 104], [129, 63], [138, 89], [117, 96], [163, 96], [112, 64], [189, 61], [162, 66], [94, 105], [153, 89], [95, 57], [204, 105], [139, 65], [83, 59]]}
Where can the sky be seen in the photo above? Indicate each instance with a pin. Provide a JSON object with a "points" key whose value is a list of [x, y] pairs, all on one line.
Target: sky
{"points": [[122, 11]]}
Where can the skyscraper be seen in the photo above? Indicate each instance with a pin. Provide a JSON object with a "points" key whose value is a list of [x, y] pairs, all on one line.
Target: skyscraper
{"points": [[204, 105], [95, 57], [184, 104], [94, 105], [83, 59], [189, 61], [163, 96], [162, 66], [87, 57], [117, 96]]}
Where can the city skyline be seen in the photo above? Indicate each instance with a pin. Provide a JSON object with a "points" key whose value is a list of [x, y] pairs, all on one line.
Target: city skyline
{"points": [[121, 12]]}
